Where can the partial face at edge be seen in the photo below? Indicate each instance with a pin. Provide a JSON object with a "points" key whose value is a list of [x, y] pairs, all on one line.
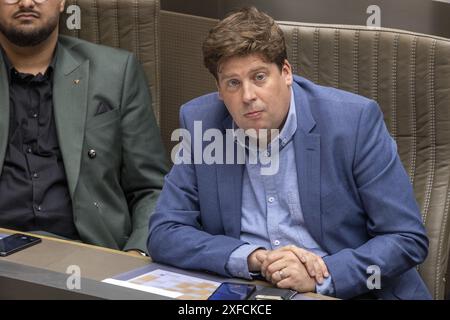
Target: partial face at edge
{"points": [[27, 23]]}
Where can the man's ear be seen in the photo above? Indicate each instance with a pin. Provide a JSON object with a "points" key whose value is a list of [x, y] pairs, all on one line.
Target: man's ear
{"points": [[62, 5], [287, 72]]}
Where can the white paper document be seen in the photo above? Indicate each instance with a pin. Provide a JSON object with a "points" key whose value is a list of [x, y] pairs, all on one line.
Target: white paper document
{"points": [[169, 284]]}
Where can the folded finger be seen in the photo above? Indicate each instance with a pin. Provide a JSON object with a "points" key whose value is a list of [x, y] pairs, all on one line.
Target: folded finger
{"points": [[285, 283], [299, 252], [277, 276], [277, 265], [318, 271], [324, 268], [309, 265]]}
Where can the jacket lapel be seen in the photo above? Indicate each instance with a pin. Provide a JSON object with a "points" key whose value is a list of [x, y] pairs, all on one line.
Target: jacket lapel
{"points": [[4, 111], [307, 154], [70, 107], [229, 184]]}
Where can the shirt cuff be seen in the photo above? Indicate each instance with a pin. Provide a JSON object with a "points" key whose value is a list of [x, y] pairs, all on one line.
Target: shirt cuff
{"points": [[237, 265], [326, 288]]}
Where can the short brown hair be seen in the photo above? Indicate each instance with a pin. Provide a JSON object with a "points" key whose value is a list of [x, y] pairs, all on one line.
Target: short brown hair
{"points": [[241, 33]]}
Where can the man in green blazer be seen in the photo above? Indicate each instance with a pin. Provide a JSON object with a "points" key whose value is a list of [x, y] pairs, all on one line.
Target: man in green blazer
{"points": [[80, 152]]}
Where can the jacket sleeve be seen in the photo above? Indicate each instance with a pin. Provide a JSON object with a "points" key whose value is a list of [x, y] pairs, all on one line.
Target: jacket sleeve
{"points": [[176, 232], [398, 239], [144, 161]]}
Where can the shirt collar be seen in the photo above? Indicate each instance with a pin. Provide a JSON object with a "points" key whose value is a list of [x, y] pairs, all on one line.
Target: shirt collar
{"points": [[10, 68]]}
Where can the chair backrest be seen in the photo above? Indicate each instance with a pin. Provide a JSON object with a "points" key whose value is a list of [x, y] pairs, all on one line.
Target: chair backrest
{"points": [[183, 75], [132, 25], [407, 73]]}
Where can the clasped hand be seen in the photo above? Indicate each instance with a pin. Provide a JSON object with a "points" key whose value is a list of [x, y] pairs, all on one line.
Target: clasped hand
{"points": [[289, 267]]}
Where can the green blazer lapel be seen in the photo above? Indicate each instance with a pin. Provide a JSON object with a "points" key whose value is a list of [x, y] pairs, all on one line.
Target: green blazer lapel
{"points": [[4, 111], [70, 88]]}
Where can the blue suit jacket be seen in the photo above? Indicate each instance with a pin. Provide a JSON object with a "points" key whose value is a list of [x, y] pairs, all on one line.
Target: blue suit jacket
{"points": [[356, 197]]}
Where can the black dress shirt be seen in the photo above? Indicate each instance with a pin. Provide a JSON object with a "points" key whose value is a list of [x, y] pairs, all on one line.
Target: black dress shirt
{"points": [[34, 195]]}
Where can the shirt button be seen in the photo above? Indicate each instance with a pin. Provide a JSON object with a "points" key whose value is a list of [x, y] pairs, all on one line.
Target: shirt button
{"points": [[276, 242], [34, 115], [271, 199], [29, 150], [39, 208], [35, 175], [92, 154]]}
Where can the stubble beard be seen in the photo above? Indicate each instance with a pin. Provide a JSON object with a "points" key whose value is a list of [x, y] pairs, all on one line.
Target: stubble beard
{"points": [[22, 37]]}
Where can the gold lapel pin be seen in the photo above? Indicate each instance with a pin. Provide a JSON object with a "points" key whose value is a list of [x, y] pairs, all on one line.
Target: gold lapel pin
{"points": [[77, 81]]}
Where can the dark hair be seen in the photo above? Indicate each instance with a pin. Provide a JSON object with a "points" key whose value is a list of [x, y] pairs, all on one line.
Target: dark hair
{"points": [[244, 32]]}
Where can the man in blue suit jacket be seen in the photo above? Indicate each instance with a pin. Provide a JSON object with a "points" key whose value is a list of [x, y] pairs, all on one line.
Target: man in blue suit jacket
{"points": [[338, 212]]}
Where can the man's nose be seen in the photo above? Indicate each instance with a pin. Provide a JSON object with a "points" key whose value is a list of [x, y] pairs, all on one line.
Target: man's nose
{"points": [[26, 4], [248, 93]]}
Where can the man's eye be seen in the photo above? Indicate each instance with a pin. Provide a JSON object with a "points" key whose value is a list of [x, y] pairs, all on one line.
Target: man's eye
{"points": [[233, 83], [260, 76]]}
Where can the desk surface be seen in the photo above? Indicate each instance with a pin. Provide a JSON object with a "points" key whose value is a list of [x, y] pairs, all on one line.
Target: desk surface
{"points": [[96, 263], [52, 258]]}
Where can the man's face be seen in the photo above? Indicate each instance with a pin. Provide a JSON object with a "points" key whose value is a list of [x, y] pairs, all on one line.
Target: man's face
{"points": [[256, 93], [27, 23]]}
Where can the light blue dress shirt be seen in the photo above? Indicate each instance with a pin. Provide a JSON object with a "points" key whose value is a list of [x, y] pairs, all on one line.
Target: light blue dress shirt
{"points": [[272, 216]]}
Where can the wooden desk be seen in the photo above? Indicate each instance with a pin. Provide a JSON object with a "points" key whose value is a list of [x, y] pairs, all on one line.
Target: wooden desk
{"points": [[96, 263], [41, 272]]}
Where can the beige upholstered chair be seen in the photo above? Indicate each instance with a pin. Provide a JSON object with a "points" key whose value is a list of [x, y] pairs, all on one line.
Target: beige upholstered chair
{"points": [[183, 76], [132, 25], [407, 73]]}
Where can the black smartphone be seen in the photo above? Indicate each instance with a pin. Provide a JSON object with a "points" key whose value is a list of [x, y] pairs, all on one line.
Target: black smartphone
{"points": [[16, 242], [232, 291], [269, 293]]}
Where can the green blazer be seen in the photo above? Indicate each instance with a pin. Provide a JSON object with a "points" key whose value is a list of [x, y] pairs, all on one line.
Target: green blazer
{"points": [[115, 188]]}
